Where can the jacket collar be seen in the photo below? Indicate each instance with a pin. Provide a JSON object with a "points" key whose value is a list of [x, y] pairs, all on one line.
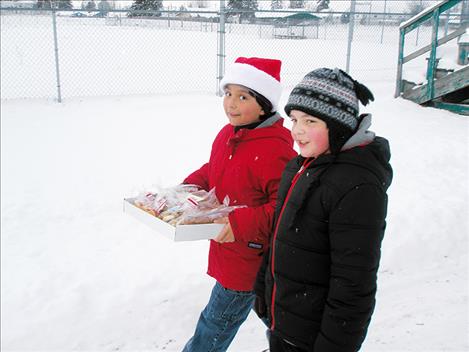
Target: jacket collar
{"points": [[270, 121], [260, 124]]}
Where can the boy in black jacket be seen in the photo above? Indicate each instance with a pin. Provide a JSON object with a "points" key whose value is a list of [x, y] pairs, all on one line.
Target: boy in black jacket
{"points": [[317, 284]]}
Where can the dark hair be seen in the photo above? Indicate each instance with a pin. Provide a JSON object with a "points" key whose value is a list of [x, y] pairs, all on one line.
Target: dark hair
{"points": [[264, 103]]}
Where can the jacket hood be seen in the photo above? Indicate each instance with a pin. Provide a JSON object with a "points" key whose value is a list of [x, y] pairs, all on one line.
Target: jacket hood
{"points": [[374, 157], [366, 150], [362, 136]]}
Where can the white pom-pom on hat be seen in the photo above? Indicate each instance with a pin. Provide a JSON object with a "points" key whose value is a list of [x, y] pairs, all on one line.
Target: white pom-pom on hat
{"points": [[259, 74]]}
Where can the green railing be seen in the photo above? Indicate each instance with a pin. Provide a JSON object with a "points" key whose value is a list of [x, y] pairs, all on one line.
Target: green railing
{"points": [[433, 13]]}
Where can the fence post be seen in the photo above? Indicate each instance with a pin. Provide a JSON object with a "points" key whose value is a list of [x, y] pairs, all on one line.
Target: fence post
{"points": [[384, 21], [351, 25], [221, 47], [56, 50]]}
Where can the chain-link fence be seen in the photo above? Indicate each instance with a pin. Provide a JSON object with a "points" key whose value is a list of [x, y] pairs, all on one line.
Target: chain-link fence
{"points": [[53, 54]]}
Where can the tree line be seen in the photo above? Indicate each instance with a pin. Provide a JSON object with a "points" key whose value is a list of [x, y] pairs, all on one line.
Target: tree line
{"points": [[102, 5], [245, 9], [157, 5]]}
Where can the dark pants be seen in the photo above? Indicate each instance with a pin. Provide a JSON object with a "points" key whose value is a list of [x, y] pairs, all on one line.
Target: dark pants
{"points": [[277, 344]]}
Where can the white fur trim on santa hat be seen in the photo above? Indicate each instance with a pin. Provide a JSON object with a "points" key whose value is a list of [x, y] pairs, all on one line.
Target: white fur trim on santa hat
{"points": [[255, 79]]}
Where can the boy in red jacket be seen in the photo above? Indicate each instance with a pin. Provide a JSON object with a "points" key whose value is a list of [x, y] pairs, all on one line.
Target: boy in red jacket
{"points": [[246, 162]]}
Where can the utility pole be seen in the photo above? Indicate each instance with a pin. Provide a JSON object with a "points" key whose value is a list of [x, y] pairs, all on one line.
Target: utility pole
{"points": [[351, 25], [221, 47]]}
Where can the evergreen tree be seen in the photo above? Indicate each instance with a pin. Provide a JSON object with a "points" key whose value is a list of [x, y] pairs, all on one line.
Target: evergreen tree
{"points": [[276, 4], [104, 7], [297, 4], [146, 5], [243, 5], [90, 6], [63, 4]]}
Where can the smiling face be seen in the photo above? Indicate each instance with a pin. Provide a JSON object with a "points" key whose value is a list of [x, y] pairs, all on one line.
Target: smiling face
{"points": [[240, 106], [310, 133]]}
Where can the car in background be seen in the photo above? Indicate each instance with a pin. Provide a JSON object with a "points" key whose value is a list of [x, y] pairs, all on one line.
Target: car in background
{"points": [[99, 14], [78, 14]]}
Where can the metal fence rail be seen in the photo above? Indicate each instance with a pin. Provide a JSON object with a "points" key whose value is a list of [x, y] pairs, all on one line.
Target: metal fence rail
{"points": [[52, 54]]}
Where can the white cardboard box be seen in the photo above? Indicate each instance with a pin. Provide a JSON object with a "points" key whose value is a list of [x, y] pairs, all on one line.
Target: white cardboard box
{"points": [[174, 233]]}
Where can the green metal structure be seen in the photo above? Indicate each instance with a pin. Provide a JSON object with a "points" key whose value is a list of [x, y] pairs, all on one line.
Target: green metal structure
{"points": [[448, 90]]}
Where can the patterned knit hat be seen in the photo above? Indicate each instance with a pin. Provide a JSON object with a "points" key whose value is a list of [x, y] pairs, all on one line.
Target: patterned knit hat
{"points": [[332, 96], [258, 74]]}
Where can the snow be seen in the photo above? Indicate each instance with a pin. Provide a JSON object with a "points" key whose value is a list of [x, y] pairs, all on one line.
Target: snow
{"points": [[79, 274], [124, 55]]}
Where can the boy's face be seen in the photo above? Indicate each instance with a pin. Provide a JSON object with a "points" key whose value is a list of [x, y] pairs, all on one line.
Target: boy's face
{"points": [[241, 107], [310, 133]]}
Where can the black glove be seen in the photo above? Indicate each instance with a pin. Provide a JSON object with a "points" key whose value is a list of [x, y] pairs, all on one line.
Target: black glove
{"points": [[260, 307]]}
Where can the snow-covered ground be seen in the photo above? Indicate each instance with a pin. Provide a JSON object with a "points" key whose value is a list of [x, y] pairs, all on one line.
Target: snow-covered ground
{"points": [[79, 274], [102, 57]]}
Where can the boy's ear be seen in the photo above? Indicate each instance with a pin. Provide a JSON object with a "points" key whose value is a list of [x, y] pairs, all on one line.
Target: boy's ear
{"points": [[262, 112]]}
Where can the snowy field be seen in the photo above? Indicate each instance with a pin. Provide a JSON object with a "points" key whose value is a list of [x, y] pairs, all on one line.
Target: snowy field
{"points": [[79, 274], [96, 59]]}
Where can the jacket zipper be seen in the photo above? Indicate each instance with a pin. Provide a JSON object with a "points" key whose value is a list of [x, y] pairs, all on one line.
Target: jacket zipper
{"points": [[300, 172]]}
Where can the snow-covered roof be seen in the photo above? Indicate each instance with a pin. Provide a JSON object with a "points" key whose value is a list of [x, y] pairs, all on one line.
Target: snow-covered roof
{"points": [[19, 4], [282, 14], [202, 12]]}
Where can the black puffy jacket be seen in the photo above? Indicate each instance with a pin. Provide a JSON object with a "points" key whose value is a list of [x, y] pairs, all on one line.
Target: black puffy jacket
{"points": [[319, 277]]}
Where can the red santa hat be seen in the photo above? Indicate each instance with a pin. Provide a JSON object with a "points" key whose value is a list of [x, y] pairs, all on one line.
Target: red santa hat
{"points": [[260, 75]]}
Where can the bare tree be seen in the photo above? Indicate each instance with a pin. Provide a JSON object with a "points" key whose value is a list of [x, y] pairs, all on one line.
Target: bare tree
{"points": [[56, 4], [415, 7]]}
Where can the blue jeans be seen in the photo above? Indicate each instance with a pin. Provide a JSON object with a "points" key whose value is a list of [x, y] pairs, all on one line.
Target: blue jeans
{"points": [[220, 320]]}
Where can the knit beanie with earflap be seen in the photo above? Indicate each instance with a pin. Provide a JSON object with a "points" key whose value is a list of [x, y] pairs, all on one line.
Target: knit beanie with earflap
{"points": [[262, 76], [332, 96]]}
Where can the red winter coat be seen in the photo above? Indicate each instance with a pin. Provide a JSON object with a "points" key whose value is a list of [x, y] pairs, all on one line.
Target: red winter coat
{"points": [[246, 166]]}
